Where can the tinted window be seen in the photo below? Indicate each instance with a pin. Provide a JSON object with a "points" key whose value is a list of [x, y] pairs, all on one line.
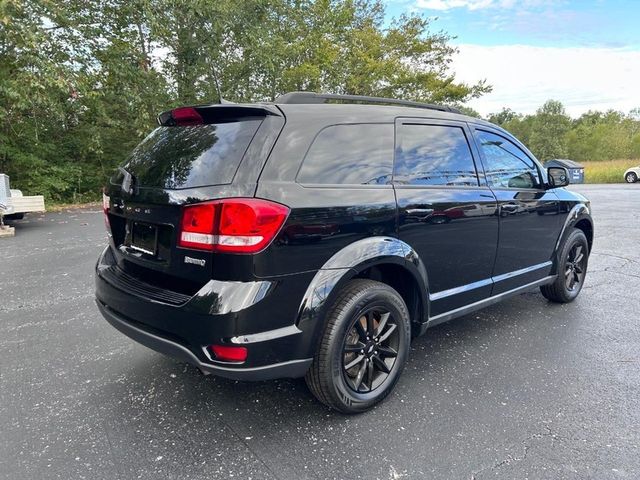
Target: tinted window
{"points": [[433, 155], [506, 166], [357, 154], [184, 157]]}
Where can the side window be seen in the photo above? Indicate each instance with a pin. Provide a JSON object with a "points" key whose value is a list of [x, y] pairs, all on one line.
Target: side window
{"points": [[506, 166], [433, 155], [355, 154]]}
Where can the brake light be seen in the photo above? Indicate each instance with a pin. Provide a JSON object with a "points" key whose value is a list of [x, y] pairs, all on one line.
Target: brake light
{"points": [[185, 116], [233, 225]]}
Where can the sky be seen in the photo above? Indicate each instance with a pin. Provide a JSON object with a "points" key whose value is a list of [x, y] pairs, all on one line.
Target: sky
{"points": [[585, 53]]}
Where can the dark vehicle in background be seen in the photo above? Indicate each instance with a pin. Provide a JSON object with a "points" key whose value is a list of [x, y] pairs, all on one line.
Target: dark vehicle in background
{"points": [[314, 236]]}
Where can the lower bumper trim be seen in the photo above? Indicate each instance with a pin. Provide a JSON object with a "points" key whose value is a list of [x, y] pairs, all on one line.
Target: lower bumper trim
{"points": [[290, 369]]}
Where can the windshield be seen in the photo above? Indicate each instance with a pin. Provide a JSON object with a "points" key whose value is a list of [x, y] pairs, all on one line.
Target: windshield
{"points": [[187, 157]]}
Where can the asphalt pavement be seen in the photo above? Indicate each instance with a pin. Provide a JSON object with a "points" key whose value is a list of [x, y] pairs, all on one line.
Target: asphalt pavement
{"points": [[522, 389]]}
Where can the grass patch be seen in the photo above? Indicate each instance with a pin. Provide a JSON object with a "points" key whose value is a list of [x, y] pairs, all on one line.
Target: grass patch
{"points": [[608, 171], [58, 207]]}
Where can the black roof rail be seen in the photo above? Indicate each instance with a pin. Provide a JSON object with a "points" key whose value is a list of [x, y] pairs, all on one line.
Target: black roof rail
{"points": [[312, 97]]}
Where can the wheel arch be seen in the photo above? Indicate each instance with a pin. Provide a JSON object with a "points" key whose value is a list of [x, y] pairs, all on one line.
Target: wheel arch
{"points": [[586, 225], [385, 259], [400, 278], [578, 217]]}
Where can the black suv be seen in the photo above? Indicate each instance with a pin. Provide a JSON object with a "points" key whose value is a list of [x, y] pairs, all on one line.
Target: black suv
{"points": [[315, 235]]}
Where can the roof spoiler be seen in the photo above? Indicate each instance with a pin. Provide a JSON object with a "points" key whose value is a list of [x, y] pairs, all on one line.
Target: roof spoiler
{"points": [[214, 113]]}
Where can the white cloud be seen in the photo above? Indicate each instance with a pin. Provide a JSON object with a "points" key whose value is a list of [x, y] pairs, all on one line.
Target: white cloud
{"points": [[524, 77], [475, 4], [449, 4]]}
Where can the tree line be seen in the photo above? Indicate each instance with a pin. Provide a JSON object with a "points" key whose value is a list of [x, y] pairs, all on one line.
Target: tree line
{"points": [[594, 136], [81, 81]]}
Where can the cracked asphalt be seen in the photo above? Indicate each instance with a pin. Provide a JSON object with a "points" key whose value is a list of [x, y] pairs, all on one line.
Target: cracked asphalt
{"points": [[523, 389]]}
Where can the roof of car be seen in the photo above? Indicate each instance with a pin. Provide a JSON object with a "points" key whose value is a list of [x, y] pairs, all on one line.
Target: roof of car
{"points": [[354, 105], [356, 112]]}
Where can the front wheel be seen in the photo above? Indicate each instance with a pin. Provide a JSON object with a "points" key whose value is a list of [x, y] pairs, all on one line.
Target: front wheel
{"points": [[364, 347], [631, 177], [572, 269]]}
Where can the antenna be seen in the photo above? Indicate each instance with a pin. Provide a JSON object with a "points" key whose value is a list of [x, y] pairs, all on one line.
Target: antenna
{"points": [[215, 79]]}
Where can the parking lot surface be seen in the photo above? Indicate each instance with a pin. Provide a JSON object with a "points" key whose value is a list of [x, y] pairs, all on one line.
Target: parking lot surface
{"points": [[522, 389]]}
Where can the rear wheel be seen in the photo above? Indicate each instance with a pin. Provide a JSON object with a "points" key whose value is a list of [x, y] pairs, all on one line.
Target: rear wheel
{"points": [[631, 177], [364, 347], [572, 269]]}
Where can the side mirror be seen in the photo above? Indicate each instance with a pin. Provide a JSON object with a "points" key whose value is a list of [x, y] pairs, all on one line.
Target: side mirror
{"points": [[558, 177]]}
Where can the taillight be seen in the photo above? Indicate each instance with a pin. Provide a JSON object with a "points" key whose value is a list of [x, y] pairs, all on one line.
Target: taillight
{"points": [[233, 225], [198, 223], [105, 210]]}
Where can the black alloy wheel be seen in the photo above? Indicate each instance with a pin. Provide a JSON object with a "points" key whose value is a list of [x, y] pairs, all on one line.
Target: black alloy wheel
{"points": [[363, 349], [370, 350], [575, 267], [572, 261]]}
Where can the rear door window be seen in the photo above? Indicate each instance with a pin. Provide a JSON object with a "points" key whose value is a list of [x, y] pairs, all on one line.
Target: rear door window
{"points": [[190, 156], [353, 154], [433, 155]]}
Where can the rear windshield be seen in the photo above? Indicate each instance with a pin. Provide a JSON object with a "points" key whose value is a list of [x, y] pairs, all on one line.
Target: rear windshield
{"points": [[187, 157]]}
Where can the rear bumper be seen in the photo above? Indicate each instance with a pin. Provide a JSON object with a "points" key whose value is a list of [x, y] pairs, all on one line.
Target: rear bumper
{"points": [[292, 368], [260, 316]]}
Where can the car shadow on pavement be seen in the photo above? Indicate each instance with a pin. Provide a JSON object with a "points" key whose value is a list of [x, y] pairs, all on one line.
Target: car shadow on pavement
{"points": [[159, 407], [156, 381]]}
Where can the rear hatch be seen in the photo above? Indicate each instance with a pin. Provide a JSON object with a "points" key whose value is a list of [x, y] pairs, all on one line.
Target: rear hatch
{"points": [[197, 154]]}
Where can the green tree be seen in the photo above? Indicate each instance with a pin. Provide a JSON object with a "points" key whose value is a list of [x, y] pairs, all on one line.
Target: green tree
{"points": [[36, 108], [81, 81], [604, 136], [466, 110], [548, 131], [503, 117], [261, 49]]}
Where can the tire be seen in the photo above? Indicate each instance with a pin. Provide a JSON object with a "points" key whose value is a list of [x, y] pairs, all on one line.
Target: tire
{"points": [[572, 269], [631, 177], [360, 310]]}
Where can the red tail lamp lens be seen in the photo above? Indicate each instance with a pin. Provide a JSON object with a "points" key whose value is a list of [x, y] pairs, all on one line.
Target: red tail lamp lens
{"points": [[234, 225], [228, 353], [198, 226], [185, 116], [249, 225], [105, 210]]}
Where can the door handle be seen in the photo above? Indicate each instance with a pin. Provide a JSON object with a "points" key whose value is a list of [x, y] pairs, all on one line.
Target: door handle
{"points": [[509, 207], [419, 211]]}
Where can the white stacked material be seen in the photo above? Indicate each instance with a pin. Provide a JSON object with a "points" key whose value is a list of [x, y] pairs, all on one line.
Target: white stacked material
{"points": [[12, 201], [5, 194], [33, 203], [5, 191]]}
